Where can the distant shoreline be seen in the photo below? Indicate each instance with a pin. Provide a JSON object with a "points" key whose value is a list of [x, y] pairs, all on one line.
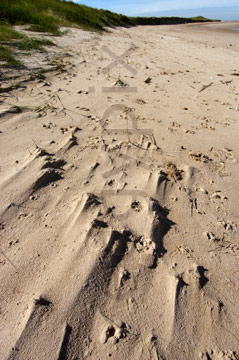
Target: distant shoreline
{"points": [[228, 13], [224, 26]]}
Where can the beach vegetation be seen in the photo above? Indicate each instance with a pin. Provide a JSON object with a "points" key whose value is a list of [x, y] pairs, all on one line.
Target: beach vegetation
{"points": [[48, 16]]}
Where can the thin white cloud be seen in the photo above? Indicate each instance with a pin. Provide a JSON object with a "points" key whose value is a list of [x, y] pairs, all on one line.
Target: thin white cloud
{"points": [[181, 5], [133, 7]]}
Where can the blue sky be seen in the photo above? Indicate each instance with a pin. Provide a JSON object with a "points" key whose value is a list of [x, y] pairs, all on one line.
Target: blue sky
{"points": [[138, 7]]}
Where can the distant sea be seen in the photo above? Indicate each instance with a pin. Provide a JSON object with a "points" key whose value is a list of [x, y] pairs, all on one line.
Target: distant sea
{"points": [[224, 25], [221, 13]]}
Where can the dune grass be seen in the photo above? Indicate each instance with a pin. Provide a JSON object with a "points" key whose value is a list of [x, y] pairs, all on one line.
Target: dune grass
{"points": [[7, 57], [7, 33], [49, 15], [12, 40]]}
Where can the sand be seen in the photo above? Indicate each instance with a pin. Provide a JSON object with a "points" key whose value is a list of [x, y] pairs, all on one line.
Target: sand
{"points": [[119, 199]]}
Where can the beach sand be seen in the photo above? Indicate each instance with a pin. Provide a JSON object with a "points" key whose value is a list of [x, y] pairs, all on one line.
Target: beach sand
{"points": [[119, 199]]}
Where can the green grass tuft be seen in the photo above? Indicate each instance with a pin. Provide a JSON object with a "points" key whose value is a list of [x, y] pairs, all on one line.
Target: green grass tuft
{"points": [[33, 44], [7, 33], [8, 58], [11, 39]]}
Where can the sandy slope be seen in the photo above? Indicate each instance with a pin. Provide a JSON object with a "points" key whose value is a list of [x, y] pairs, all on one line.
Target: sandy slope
{"points": [[119, 204]]}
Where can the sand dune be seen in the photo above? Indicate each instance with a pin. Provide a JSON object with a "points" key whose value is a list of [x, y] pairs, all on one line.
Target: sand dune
{"points": [[119, 211]]}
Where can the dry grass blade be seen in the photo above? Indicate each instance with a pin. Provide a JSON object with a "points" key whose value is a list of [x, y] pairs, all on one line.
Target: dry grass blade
{"points": [[8, 259]]}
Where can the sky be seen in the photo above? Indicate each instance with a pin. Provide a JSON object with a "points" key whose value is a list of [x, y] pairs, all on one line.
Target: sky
{"points": [[156, 7]]}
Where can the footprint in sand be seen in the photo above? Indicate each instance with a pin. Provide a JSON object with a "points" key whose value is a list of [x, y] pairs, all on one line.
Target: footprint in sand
{"points": [[218, 355]]}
